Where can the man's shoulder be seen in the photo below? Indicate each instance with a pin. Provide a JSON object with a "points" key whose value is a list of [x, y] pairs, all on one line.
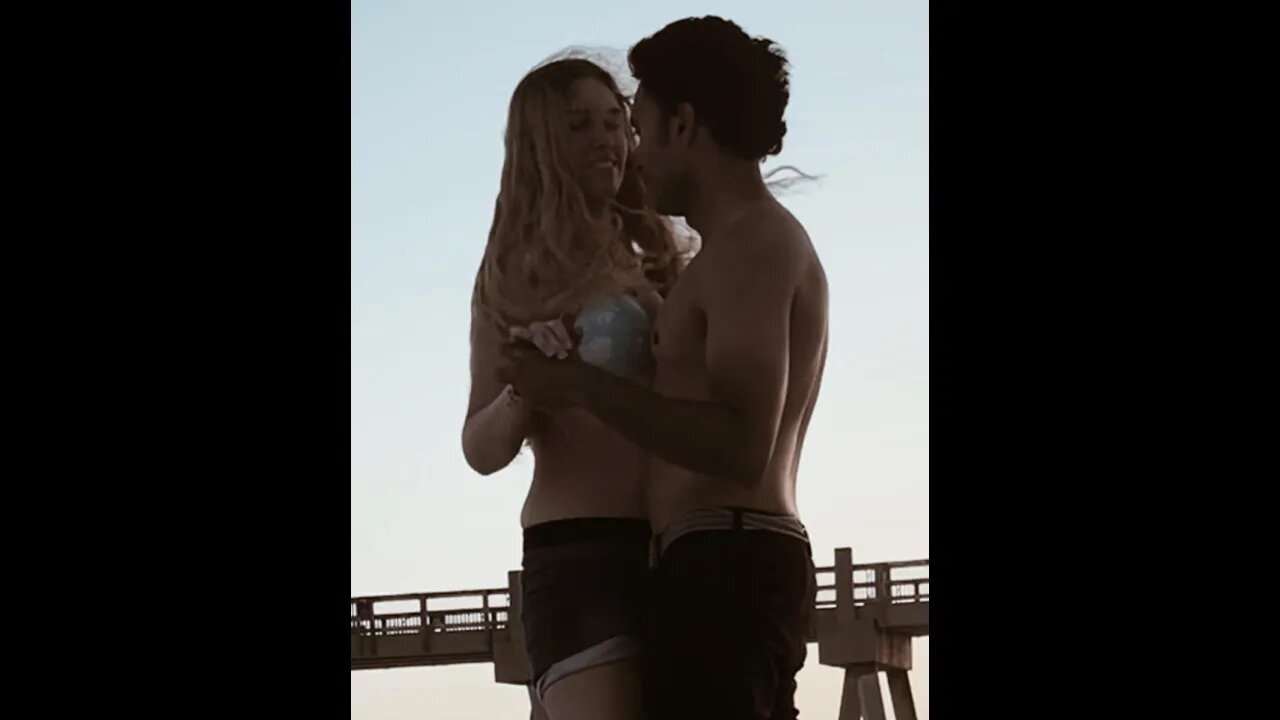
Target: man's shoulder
{"points": [[768, 240]]}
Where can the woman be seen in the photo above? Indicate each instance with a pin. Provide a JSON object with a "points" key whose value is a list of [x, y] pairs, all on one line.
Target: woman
{"points": [[571, 237]]}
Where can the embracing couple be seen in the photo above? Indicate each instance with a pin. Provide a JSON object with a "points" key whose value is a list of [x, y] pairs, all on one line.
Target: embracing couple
{"points": [[666, 573]]}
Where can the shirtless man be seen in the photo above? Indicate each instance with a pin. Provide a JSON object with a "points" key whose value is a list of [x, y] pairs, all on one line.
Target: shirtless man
{"points": [[740, 345]]}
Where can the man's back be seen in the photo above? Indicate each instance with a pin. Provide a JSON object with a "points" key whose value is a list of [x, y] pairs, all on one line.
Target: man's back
{"points": [[760, 285]]}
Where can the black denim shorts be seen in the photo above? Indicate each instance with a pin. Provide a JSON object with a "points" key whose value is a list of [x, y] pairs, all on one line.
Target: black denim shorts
{"points": [[584, 594]]}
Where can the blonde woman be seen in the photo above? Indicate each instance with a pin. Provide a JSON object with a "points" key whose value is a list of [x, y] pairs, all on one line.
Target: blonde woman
{"points": [[572, 248]]}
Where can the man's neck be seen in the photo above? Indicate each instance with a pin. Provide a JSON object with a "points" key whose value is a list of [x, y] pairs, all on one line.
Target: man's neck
{"points": [[724, 191]]}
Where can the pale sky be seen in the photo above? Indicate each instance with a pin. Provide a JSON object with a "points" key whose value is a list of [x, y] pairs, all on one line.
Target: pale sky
{"points": [[429, 93]]}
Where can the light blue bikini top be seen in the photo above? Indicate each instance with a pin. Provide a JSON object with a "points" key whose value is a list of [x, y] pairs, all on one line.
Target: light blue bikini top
{"points": [[615, 335]]}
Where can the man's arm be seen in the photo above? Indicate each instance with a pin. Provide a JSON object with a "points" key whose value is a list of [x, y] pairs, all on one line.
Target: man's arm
{"points": [[703, 436], [747, 299]]}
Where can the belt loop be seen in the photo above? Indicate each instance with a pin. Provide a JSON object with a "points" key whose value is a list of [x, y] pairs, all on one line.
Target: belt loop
{"points": [[737, 519]]}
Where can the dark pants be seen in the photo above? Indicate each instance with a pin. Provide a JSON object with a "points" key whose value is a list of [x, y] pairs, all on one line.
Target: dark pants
{"points": [[730, 613]]}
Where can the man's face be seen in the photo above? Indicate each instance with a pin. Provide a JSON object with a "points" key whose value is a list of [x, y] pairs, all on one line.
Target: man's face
{"points": [[662, 161]]}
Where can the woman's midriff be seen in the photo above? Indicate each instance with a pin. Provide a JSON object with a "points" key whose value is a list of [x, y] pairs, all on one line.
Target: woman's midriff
{"points": [[583, 469]]}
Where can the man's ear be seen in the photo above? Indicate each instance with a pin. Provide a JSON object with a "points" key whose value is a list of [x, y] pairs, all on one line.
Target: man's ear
{"points": [[682, 125]]}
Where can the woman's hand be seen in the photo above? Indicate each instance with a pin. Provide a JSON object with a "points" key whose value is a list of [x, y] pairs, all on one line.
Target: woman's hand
{"points": [[551, 337]]}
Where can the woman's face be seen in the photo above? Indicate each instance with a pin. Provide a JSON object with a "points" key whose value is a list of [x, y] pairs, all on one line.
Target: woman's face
{"points": [[597, 138]]}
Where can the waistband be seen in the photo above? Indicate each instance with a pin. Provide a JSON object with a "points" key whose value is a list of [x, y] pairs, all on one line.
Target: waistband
{"points": [[727, 518], [622, 531]]}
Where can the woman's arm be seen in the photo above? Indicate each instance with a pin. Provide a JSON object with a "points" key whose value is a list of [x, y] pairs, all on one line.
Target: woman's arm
{"points": [[497, 420]]}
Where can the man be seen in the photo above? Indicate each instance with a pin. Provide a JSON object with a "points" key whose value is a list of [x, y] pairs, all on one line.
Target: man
{"points": [[740, 346]]}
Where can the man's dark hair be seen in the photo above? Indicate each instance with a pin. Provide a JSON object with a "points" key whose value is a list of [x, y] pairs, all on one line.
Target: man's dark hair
{"points": [[737, 84]]}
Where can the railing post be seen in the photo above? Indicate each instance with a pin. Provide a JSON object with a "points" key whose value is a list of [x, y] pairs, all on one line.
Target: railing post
{"points": [[883, 595], [364, 621], [425, 628], [515, 607], [844, 587], [488, 622]]}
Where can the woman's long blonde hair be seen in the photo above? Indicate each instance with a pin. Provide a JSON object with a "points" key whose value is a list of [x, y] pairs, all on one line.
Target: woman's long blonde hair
{"points": [[546, 253]]}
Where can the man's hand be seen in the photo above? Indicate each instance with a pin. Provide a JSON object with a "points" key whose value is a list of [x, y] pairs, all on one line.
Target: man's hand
{"points": [[540, 380]]}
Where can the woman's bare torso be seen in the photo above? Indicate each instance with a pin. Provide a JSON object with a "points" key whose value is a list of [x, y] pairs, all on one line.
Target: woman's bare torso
{"points": [[581, 467]]}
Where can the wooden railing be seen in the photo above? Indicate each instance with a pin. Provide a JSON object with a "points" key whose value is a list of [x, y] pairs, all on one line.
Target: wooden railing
{"points": [[876, 582], [487, 610]]}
